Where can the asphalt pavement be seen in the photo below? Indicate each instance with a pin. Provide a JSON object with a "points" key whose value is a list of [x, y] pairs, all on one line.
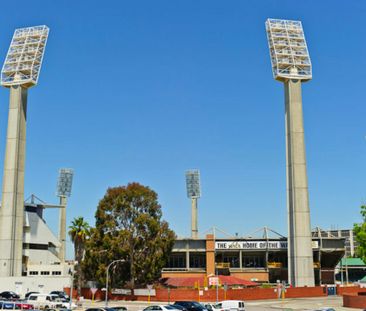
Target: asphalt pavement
{"points": [[250, 305]]}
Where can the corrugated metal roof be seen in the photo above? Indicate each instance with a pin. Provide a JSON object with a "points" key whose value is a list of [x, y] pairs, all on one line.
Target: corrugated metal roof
{"points": [[352, 262]]}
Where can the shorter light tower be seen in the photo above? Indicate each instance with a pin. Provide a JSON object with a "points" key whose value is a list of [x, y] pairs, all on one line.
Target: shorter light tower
{"points": [[291, 65], [64, 186], [193, 192]]}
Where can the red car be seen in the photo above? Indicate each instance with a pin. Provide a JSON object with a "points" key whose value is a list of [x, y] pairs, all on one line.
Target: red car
{"points": [[24, 306]]}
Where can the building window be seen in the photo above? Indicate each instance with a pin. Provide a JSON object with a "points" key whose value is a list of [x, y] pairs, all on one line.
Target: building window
{"points": [[232, 259], [45, 272], [253, 262], [177, 261], [197, 260], [56, 272], [33, 272]]}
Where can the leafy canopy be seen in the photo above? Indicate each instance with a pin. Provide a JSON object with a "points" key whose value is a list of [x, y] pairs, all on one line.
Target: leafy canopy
{"points": [[360, 233], [129, 226]]}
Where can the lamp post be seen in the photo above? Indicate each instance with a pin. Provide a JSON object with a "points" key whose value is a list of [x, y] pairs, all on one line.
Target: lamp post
{"points": [[107, 279]]}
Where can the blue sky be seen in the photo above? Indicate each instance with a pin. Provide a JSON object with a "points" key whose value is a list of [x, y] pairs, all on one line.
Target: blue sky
{"points": [[144, 90]]}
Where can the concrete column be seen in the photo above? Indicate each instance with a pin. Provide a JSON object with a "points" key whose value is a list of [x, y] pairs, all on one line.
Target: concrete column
{"points": [[300, 253], [12, 203], [62, 229], [241, 259], [187, 260], [351, 244], [194, 225]]}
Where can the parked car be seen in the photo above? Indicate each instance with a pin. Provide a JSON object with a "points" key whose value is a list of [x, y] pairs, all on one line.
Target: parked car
{"points": [[161, 308], [179, 307], [8, 305], [100, 309], [120, 308], [9, 295], [191, 305], [65, 302], [25, 306], [232, 305], [60, 294], [29, 293], [67, 305], [214, 307], [44, 301]]}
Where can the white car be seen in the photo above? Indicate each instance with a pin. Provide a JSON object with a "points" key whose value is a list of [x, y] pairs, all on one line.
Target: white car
{"points": [[232, 305], [44, 301], [161, 308], [65, 302], [214, 307], [66, 305]]}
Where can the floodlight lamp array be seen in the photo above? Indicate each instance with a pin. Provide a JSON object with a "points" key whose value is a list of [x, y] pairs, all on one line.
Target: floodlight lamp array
{"points": [[288, 50], [24, 59], [193, 184], [64, 183]]}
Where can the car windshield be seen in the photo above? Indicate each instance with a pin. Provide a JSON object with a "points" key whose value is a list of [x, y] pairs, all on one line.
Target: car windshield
{"points": [[169, 307], [196, 304]]}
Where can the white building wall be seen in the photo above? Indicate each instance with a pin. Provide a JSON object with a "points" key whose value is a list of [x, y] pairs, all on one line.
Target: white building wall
{"points": [[22, 285]]}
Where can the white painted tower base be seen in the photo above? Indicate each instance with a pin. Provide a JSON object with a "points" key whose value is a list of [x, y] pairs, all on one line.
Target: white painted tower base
{"points": [[12, 204], [300, 254]]}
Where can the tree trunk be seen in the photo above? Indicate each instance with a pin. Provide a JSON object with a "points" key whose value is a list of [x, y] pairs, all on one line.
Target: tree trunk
{"points": [[132, 271], [78, 257]]}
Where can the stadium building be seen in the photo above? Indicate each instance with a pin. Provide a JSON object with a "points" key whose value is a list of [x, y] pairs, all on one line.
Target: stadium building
{"points": [[262, 259]]}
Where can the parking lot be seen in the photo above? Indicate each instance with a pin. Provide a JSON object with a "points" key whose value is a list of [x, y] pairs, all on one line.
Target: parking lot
{"points": [[286, 304]]}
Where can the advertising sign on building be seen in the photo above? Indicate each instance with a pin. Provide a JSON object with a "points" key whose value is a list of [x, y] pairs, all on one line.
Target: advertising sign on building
{"points": [[213, 281], [255, 245]]}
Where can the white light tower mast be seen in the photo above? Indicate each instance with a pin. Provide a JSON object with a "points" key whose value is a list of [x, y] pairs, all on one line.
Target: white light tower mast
{"points": [[193, 192], [20, 72], [64, 186], [291, 65]]}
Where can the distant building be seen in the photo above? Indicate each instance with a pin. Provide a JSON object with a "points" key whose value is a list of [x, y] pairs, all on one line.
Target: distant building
{"points": [[350, 239], [40, 246]]}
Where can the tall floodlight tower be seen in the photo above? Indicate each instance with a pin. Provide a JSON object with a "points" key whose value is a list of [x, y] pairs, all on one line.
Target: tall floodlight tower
{"points": [[193, 192], [291, 65], [20, 72], [64, 185]]}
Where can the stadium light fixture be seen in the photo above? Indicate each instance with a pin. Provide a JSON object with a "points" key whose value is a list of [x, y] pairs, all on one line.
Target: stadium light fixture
{"points": [[193, 184], [64, 183], [25, 55], [288, 50]]}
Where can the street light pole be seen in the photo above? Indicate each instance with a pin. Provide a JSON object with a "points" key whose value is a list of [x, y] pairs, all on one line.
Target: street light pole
{"points": [[107, 279]]}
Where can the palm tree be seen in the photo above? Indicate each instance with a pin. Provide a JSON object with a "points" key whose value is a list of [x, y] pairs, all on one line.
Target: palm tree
{"points": [[79, 232]]}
